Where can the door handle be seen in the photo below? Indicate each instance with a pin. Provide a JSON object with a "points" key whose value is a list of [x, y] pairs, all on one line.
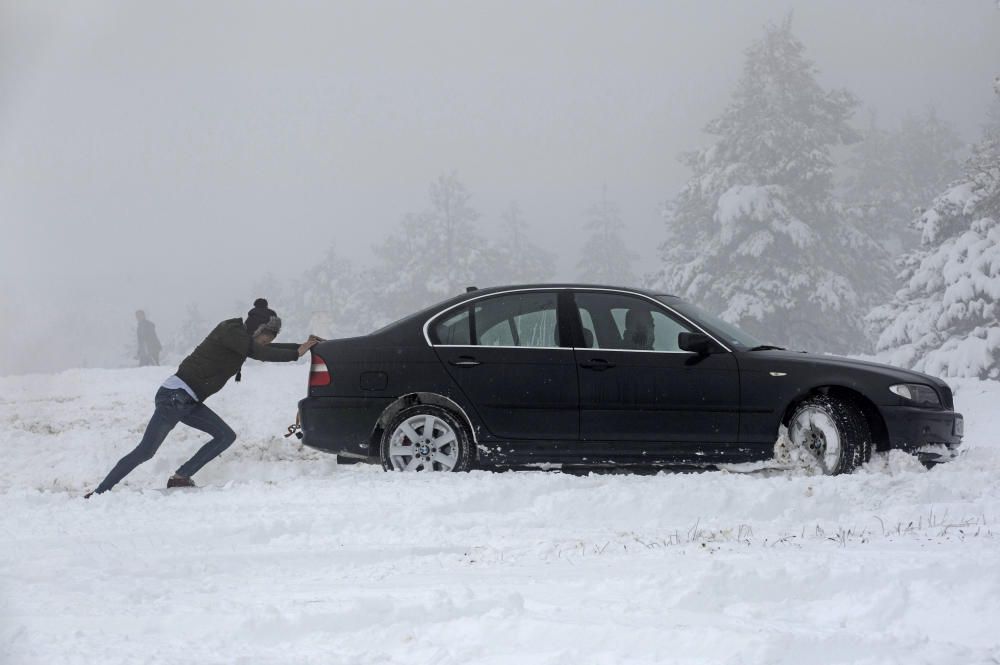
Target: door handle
{"points": [[465, 361], [597, 364]]}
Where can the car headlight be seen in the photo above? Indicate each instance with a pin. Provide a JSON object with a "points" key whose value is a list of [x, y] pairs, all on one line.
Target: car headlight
{"points": [[917, 392]]}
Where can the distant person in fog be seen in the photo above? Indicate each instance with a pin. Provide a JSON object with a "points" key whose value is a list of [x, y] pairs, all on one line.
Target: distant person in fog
{"points": [[181, 398], [149, 343]]}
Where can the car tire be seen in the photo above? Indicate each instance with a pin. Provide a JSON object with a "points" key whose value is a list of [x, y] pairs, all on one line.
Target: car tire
{"points": [[406, 445], [834, 430]]}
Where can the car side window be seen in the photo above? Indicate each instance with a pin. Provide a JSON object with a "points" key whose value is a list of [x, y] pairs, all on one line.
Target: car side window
{"points": [[589, 334], [518, 319], [622, 322], [454, 329]]}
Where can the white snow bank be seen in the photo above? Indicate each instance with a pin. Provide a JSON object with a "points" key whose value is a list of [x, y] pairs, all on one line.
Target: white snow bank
{"points": [[66, 431], [287, 558]]}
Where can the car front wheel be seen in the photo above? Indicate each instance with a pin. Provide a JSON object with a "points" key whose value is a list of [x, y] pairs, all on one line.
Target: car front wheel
{"points": [[834, 431], [426, 438]]}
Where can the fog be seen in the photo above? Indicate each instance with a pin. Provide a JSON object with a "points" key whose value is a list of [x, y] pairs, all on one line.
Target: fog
{"points": [[158, 154]]}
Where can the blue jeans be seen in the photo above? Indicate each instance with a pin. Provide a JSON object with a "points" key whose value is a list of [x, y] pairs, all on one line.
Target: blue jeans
{"points": [[174, 406]]}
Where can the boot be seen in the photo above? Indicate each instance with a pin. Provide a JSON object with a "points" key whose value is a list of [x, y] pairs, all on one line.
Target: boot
{"points": [[180, 481]]}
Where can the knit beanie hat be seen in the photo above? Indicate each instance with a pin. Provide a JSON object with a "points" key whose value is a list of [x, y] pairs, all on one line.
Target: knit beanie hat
{"points": [[260, 319]]}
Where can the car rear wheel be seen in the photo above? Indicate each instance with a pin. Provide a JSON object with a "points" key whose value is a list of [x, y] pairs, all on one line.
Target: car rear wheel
{"points": [[426, 438], [834, 431]]}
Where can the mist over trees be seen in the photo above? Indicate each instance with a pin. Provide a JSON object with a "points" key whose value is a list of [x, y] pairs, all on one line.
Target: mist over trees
{"points": [[756, 234], [945, 320], [190, 333], [802, 223], [605, 258], [895, 171], [517, 254], [432, 254], [761, 234], [330, 296]]}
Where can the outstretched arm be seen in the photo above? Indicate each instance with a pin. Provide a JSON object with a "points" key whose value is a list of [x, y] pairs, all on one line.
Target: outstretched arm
{"points": [[295, 345], [280, 353], [268, 353]]}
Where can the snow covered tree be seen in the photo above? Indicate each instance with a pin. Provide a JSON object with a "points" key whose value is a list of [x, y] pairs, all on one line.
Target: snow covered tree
{"points": [[606, 259], [435, 254], [519, 260], [755, 234], [895, 172], [946, 318], [331, 300]]}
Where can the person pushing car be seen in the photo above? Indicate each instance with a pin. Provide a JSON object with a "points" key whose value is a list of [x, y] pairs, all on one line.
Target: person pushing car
{"points": [[181, 398]]}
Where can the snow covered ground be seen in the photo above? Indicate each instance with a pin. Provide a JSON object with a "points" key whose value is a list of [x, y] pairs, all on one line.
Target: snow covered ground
{"points": [[286, 558]]}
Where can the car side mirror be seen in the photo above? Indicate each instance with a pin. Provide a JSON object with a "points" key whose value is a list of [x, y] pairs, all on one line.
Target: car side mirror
{"points": [[695, 342]]}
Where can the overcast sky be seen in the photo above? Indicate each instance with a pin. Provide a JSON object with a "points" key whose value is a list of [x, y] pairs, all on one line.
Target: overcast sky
{"points": [[155, 154]]}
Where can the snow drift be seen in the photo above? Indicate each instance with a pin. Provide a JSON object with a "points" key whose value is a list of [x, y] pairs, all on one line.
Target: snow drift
{"points": [[286, 558]]}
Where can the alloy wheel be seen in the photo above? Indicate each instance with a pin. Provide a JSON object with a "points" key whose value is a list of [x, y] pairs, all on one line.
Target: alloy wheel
{"points": [[423, 442]]}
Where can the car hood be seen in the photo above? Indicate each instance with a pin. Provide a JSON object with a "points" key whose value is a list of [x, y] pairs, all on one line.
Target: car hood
{"points": [[814, 359]]}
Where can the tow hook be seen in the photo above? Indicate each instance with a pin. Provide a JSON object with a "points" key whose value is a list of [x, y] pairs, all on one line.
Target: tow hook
{"points": [[295, 428]]}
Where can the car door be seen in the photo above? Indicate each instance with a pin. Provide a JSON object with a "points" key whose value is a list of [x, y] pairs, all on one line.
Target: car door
{"points": [[504, 353], [636, 384]]}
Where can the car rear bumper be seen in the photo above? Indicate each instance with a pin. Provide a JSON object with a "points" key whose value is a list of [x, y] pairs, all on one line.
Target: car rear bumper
{"points": [[341, 425], [932, 435]]}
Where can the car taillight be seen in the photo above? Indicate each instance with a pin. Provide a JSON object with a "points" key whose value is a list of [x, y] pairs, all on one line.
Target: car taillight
{"points": [[319, 375]]}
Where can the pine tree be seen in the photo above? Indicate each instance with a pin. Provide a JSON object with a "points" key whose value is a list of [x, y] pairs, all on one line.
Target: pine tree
{"points": [[434, 255], [755, 234], [606, 259], [945, 320], [518, 259], [895, 172]]}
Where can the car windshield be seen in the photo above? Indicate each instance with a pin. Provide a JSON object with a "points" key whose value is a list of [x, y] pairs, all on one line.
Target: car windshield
{"points": [[725, 331]]}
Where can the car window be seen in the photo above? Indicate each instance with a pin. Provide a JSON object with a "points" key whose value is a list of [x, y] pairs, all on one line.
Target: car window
{"points": [[616, 321], [518, 319], [454, 329], [740, 339], [589, 334]]}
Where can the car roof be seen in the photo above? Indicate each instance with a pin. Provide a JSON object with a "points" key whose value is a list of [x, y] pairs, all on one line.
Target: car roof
{"points": [[557, 285]]}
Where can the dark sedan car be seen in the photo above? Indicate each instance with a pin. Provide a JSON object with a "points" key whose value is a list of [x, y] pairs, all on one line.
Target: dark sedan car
{"points": [[593, 376]]}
